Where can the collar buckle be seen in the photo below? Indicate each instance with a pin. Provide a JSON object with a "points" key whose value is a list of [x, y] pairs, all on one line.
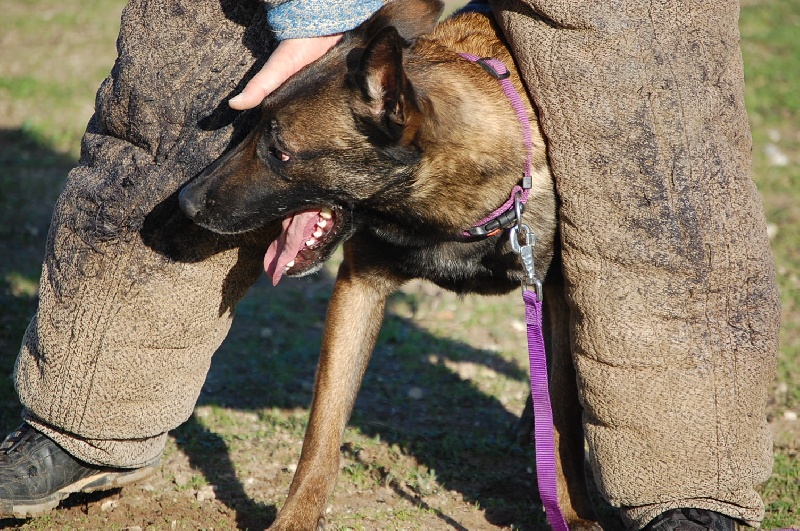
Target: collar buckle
{"points": [[490, 65], [503, 221]]}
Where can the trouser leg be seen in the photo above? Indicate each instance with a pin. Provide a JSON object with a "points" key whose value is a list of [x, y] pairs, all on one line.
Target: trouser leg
{"points": [[669, 274], [134, 299]]}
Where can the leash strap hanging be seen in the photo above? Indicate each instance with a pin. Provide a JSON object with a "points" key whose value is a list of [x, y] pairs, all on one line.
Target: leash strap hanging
{"points": [[542, 414], [522, 241]]}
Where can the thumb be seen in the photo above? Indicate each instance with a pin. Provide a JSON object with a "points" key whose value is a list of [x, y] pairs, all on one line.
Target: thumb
{"points": [[288, 58]]}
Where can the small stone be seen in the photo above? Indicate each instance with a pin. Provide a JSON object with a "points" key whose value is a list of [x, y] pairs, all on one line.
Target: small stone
{"points": [[108, 505], [292, 467], [790, 415], [206, 493], [415, 393], [772, 230], [775, 156]]}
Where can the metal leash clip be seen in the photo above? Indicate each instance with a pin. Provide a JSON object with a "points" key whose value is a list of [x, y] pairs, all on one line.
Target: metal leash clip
{"points": [[522, 242]]}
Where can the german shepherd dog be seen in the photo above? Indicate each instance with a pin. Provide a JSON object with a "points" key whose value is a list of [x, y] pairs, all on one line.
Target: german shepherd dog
{"points": [[393, 144]]}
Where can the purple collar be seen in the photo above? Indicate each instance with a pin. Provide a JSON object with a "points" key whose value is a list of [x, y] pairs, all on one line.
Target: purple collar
{"points": [[505, 216]]}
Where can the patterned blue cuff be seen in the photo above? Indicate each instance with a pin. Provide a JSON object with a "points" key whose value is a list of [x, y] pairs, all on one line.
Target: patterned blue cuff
{"points": [[314, 18]]}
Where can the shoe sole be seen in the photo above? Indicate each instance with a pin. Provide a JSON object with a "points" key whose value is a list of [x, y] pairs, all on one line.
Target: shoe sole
{"points": [[97, 482]]}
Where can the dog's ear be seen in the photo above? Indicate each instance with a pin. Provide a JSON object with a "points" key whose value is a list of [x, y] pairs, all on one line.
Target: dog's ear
{"points": [[384, 102], [412, 18]]}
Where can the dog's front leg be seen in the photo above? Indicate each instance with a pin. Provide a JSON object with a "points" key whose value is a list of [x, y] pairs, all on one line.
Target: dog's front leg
{"points": [[354, 318], [573, 492]]}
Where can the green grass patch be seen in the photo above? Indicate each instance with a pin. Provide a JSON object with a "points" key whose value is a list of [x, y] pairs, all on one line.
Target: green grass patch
{"points": [[782, 493]]}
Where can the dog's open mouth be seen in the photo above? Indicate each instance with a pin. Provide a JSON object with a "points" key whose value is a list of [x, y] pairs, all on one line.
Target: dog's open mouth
{"points": [[304, 238]]}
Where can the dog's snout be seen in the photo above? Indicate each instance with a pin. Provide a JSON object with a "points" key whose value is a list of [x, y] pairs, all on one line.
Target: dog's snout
{"points": [[188, 202]]}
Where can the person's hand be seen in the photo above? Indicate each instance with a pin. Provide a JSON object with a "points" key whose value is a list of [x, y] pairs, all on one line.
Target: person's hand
{"points": [[288, 58]]}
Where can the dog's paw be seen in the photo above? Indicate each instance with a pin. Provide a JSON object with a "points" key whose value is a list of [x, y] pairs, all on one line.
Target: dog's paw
{"points": [[584, 525], [283, 524]]}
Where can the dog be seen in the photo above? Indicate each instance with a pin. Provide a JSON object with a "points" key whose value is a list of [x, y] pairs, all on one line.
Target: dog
{"points": [[395, 145]]}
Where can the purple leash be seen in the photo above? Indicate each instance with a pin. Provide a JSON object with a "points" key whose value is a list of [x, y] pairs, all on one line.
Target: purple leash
{"points": [[542, 414], [522, 239], [522, 242]]}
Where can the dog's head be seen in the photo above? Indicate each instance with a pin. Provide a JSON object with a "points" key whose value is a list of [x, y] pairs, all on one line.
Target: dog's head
{"points": [[343, 143], [335, 135]]}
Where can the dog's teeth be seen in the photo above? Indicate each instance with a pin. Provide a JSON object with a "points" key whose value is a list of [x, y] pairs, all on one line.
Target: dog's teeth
{"points": [[312, 242], [326, 213], [322, 223], [317, 233], [290, 264]]}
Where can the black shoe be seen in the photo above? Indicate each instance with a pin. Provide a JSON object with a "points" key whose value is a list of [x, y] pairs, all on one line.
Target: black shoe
{"points": [[36, 474], [693, 520]]}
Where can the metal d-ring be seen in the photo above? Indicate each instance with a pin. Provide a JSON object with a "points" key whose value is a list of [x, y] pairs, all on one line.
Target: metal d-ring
{"points": [[519, 208], [523, 240]]}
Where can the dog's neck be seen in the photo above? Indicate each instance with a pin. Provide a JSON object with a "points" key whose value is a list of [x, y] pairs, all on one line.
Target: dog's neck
{"points": [[471, 132]]}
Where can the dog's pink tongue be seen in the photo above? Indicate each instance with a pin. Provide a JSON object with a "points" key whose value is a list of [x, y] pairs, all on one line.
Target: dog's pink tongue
{"points": [[296, 232]]}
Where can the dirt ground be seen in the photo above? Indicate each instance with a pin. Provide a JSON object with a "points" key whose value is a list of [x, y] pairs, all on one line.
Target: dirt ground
{"points": [[429, 445]]}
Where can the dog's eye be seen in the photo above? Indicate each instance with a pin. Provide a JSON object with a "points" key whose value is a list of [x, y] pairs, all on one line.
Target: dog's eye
{"points": [[277, 154]]}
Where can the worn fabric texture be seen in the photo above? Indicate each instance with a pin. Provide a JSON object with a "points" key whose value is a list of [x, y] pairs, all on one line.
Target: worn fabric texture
{"points": [[292, 19], [674, 309], [134, 298]]}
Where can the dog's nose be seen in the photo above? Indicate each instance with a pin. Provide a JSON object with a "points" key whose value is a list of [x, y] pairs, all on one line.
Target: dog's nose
{"points": [[187, 203]]}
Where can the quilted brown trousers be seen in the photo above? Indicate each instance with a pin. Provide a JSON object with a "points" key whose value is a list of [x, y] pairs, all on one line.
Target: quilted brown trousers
{"points": [[670, 279], [134, 299]]}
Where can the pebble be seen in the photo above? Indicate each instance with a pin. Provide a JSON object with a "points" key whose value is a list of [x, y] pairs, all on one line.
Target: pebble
{"points": [[415, 393], [775, 156], [182, 479], [772, 230], [206, 493], [790, 415]]}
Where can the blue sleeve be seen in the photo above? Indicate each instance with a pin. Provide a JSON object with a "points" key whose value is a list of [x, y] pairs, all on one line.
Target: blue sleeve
{"points": [[314, 18]]}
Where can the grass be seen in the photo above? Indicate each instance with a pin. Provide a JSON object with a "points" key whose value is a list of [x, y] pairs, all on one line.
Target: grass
{"points": [[448, 377], [772, 72]]}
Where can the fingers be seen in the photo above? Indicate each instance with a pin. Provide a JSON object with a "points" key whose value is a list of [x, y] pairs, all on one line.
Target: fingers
{"points": [[288, 58]]}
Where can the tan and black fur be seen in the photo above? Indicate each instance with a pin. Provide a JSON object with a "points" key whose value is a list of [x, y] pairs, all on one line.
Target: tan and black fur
{"points": [[408, 144]]}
